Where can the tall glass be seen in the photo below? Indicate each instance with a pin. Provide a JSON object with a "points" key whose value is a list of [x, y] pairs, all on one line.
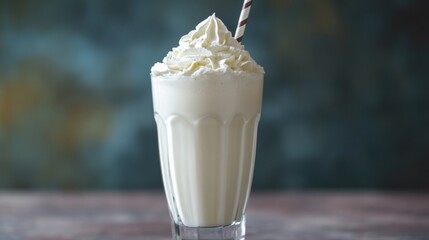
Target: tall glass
{"points": [[207, 129]]}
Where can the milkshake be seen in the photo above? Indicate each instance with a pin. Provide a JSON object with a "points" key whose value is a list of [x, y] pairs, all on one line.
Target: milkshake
{"points": [[207, 96]]}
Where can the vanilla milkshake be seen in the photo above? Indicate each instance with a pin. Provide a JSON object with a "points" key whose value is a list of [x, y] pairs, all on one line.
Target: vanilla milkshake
{"points": [[207, 97]]}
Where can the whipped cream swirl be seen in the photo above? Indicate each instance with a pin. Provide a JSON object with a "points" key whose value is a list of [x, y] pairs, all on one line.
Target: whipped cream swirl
{"points": [[208, 48]]}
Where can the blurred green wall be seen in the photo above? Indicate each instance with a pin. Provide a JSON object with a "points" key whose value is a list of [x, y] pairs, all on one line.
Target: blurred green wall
{"points": [[345, 98]]}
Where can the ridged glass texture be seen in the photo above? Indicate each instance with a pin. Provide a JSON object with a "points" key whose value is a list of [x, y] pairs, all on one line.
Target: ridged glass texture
{"points": [[207, 165]]}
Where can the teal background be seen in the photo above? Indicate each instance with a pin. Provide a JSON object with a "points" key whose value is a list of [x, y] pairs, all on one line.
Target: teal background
{"points": [[345, 99]]}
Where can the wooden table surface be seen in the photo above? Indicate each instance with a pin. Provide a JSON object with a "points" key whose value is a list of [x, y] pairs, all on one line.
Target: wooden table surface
{"points": [[271, 216]]}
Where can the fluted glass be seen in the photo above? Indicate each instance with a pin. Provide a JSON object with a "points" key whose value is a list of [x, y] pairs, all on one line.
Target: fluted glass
{"points": [[207, 139]]}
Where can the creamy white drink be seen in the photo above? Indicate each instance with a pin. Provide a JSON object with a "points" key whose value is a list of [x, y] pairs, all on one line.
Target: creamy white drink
{"points": [[207, 97]]}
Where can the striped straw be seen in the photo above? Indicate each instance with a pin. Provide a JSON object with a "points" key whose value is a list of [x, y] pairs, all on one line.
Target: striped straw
{"points": [[244, 15]]}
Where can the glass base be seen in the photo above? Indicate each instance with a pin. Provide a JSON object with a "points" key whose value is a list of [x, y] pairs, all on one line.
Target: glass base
{"points": [[235, 231]]}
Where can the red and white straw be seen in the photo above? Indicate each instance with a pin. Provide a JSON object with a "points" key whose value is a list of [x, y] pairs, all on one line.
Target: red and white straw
{"points": [[244, 15]]}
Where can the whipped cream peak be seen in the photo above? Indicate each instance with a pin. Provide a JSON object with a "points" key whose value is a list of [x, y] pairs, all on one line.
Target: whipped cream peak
{"points": [[210, 47], [210, 32]]}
